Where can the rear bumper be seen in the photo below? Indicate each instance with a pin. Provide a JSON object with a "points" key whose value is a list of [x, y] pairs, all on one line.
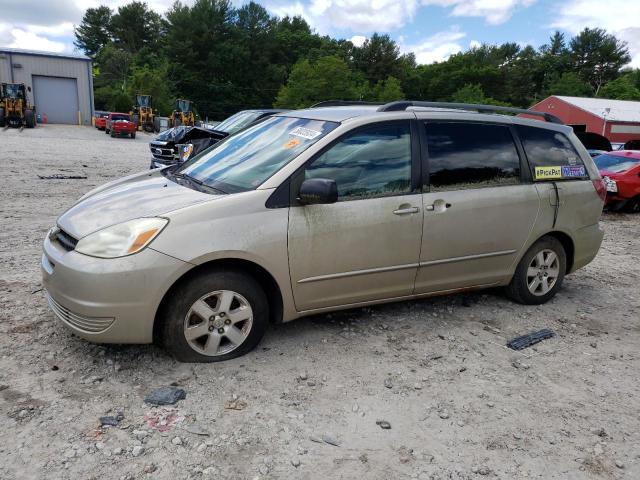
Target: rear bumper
{"points": [[587, 243]]}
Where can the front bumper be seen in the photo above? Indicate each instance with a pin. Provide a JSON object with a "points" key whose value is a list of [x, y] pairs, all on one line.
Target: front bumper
{"points": [[108, 300]]}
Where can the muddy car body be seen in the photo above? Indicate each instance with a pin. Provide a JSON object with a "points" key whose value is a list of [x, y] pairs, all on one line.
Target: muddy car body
{"points": [[325, 209]]}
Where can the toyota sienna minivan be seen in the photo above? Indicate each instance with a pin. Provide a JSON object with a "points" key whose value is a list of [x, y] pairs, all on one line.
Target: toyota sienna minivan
{"points": [[322, 209]]}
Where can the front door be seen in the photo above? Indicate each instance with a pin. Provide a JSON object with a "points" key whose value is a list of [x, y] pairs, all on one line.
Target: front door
{"points": [[478, 212], [364, 247]]}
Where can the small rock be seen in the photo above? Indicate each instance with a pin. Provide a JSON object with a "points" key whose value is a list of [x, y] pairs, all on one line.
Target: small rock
{"points": [[109, 421], [295, 462], [176, 441], [137, 450], [619, 464], [593, 345], [140, 434], [149, 468], [388, 383], [599, 432], [303, 376], [117, 451], [71, 453], [201, 448], [209, 472], [491, 404], [483, 470], [417, 386], [263, 469], [197, 430], [330, 440], [354, 408], [311, 383], [383, 424], [165, 396], [443, 414], [520, 365]]}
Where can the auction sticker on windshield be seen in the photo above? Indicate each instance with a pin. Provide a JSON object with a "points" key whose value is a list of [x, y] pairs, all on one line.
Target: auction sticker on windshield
{"points": [[305, 133]]}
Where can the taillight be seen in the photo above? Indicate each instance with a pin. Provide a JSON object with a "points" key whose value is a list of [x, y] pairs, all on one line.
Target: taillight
{"points": [[601, 189]]}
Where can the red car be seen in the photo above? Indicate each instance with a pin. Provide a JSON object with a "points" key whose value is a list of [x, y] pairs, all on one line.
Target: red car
{"points": [[621, 173], [101, 120], [120, 124]]}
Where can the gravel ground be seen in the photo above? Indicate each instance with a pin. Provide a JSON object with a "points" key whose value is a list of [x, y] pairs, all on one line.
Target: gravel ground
{"points": [[458, 403]]}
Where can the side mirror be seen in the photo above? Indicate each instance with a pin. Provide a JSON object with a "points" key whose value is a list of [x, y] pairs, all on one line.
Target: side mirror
{"points": [[317, 191]]}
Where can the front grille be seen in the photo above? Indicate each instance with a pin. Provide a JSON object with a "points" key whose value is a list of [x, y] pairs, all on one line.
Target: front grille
{"points": [[162, 152], [80, 322], [65, 240]]}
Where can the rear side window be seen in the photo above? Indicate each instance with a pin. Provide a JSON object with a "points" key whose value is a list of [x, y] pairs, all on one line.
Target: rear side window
{"points": [[373, 162], [471, 155], [551, 155]]}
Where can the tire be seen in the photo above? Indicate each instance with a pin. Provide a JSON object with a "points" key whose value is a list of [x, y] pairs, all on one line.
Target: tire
{"points": [[519, 289], [632, 206], [1, 117], [30, 118], [113, 134], [178, 314], [136, 120], [106, 131], [133, 134]]}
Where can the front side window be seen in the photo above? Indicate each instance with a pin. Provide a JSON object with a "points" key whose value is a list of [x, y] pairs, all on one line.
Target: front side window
{"points": [[471, 155], [238, 121], [243, 161], [372, 162], [551, 155]]}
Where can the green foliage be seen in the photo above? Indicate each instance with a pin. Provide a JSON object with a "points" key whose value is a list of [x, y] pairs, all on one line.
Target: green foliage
{"points": [[226, 58], [623, 88], [570, 84], [93, 33], [328, 78]]}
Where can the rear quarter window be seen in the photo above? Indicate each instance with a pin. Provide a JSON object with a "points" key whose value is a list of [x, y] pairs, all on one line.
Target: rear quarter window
{"points": [[551, 155]]}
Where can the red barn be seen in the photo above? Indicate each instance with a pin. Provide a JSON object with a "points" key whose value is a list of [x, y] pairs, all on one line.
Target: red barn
{"points": [[618, 120]]}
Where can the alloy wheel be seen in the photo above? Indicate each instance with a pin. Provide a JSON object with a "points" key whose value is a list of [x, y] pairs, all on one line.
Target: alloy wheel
{"points": [[543, 272], [218, 323]]}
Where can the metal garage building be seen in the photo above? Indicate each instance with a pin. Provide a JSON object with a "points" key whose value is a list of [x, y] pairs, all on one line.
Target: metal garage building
{"points": [[61, 85], [618, 120]]}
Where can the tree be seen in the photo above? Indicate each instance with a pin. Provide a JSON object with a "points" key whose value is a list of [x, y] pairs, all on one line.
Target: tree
{"points": [[380, 57], [569, 84], [622, 88], [598, 57], [93, 33], [136, 26], [327, 79], [388, 90], [474, 94]]}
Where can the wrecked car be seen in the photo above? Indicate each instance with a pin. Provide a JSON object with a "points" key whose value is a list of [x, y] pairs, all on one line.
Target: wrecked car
{"points": [[178, 144]]}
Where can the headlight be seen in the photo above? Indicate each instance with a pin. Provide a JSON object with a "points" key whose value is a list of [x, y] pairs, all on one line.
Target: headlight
{"points": [[122, 239], [611, 185]]}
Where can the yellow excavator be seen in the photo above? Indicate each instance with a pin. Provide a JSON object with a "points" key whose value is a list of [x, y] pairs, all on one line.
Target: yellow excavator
{"points": [[183, 114], [143, 114], [15, 110]]}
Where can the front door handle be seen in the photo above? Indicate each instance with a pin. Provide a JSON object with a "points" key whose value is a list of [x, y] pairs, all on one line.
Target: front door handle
{"points": [[406, 211]]}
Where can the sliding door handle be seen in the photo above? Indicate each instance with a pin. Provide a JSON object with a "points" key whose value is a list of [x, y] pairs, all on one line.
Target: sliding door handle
{"points": [[406, 211], [438, 206]]}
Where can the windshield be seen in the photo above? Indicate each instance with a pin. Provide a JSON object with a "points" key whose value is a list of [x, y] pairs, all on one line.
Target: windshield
{"points": [[238, 121], [245, 160], [13, 90], [143, 100], [183, 105], [119, 117], [615, 163]]}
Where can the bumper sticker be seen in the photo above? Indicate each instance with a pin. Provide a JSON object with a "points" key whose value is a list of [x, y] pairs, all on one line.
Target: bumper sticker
{"points": [[554, 173]]}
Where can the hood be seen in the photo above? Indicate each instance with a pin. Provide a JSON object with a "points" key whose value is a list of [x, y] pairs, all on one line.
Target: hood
{"points": [[142, 195]]}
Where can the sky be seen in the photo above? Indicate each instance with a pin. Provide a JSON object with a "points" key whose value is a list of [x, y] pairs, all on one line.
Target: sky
{"points": [[432, 29]]}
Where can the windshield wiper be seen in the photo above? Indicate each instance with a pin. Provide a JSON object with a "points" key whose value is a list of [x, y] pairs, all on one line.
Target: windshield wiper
{"points": [[195, 181]]}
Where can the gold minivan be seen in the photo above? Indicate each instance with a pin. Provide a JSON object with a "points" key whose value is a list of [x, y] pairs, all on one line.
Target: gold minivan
{"points": [[332, 207]]}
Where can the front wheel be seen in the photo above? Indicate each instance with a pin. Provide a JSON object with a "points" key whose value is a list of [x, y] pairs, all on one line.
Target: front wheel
{"points": [[214, 316], [540, 272], [1, 117], [633, 205]]}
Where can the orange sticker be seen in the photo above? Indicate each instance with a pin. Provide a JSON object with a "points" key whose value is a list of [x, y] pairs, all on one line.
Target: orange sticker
{"points": [[292, 143]]}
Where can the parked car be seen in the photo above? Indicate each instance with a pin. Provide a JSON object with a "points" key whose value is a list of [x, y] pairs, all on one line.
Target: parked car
{"points": [[101, 120], [119, 124], [621, 173], [325, 209], [165, 151]]}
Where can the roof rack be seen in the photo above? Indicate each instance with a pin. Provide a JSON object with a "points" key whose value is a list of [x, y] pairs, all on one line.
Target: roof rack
{"points": [[344, 103], [404, 104]]}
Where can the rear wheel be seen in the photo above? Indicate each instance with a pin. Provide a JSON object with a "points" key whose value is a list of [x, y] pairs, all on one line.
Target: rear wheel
{"points": [[540, 272], [1, 117], [214, 316], [113, 134], [133, 134], [30, 118], [633, 205], [106, 131]]}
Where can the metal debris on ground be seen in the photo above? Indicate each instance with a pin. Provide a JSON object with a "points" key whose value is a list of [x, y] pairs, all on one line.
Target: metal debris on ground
{"points": [[111, 421], [529, 339], [165, 396], [235, 405], [58, 176]]}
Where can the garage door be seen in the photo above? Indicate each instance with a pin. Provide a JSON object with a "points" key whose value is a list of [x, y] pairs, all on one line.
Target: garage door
{"points": [[57, 98]]}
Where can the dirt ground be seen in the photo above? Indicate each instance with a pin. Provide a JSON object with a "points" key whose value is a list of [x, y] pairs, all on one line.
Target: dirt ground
{"points": [[460, 405]]}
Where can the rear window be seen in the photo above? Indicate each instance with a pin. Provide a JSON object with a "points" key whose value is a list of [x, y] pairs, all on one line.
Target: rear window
{"points": [[119, 117], [551, 155], [471, 155], [615, 163]]}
